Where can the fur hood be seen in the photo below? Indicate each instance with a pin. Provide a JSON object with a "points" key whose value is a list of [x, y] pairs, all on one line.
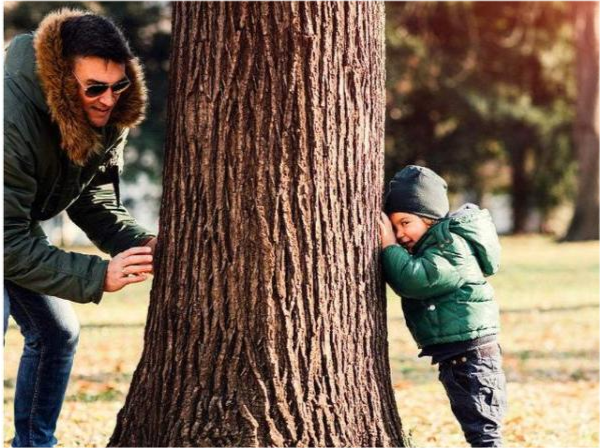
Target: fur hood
{"points": [[78, 137]]}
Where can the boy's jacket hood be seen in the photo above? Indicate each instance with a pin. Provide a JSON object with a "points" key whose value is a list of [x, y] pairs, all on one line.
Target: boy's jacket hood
{"points": [[45, 77], [475, 225]]}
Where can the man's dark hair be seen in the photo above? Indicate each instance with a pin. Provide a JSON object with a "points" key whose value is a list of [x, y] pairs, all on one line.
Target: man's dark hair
{"points": [[93, 35]]}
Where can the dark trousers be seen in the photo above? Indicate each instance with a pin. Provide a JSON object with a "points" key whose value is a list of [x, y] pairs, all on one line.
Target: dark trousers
{"points": [[51, 332], [476, 387]]}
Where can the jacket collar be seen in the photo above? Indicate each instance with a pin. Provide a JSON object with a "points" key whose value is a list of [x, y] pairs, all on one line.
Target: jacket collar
{"points": [[434, 235], [79, 139]]}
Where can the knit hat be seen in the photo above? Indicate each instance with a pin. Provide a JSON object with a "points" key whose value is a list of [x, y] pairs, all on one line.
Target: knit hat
{"points": [[418, 190]]}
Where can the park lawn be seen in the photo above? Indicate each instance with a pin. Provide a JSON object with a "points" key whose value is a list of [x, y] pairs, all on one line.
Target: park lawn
{"points": [[548, 295]]}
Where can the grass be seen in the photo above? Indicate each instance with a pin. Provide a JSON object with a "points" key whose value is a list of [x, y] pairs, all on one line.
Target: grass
{"points": [[548, 294]]}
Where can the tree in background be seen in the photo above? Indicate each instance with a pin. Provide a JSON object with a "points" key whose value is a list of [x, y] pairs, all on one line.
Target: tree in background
{"points": [[584, 225], [147, 27], [267, 319], [483, 93]]}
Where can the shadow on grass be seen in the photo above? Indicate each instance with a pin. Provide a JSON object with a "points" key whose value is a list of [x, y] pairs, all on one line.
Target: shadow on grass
{"points": [[549, 309], [555, 375], [546, 354], [104, 377], [520, 367], [91, 397], [110, 325], [557, 309]]}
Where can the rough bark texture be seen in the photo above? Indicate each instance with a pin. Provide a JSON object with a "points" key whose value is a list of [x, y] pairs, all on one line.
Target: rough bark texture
{"points": [[584, 225], [267, 319]]}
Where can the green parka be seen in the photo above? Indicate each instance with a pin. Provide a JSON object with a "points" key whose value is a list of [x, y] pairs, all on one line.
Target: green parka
{"points": [[54, 160], [445, 297]]}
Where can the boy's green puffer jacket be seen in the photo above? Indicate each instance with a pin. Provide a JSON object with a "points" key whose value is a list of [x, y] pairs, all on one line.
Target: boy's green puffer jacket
{"points": [[445, 296]]}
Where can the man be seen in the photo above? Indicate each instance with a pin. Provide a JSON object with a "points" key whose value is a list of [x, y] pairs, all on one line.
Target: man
{"points": [[72, 90]]}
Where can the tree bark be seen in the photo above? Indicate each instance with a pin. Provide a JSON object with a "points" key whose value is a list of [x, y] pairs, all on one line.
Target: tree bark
{"points": [[584, 225], [267, 318]]}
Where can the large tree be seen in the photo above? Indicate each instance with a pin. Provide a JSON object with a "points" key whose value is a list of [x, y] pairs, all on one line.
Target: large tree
{"points": [[584, 225], [267, 320]]}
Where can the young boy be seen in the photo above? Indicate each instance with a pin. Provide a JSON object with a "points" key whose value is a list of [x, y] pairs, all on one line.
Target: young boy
{"points": [[437, 263]]}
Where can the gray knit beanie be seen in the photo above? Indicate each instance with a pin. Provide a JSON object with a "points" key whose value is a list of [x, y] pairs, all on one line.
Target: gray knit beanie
{"points": [[418, 190]]}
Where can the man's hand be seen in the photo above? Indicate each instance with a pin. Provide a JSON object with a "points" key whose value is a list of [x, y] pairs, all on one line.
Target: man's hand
{"points": [[130, 266], [386, 231]]}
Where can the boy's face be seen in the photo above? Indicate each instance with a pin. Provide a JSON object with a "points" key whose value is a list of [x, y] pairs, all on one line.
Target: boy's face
{"points": [[408, 228]]}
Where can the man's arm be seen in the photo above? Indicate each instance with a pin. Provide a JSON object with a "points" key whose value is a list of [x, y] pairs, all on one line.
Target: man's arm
{"points": [[29, 259], [106, 223], [110, 227]]}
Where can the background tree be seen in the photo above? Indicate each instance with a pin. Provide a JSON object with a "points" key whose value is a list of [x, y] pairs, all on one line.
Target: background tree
{"points": [[267, 320], [584, 225], [483, 93]]}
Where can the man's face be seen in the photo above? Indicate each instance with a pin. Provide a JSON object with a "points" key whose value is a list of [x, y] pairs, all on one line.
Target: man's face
{"points": [[91, 70]]}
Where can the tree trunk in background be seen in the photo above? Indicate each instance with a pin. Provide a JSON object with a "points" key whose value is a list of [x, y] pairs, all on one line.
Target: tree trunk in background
{"points": [[520, 190], [267, 318], [584, 225], [520, 178]]}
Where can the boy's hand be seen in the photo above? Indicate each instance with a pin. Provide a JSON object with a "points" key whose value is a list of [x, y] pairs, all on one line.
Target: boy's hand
{"points": [[386, 231]]}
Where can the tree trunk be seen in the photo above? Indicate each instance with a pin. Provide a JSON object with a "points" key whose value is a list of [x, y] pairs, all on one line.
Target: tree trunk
{"points": [[519, 191], [267, 318], [520, 178], [584, 225]]}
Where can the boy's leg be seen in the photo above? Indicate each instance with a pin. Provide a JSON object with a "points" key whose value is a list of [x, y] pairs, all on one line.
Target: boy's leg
{"points": [[476, 387], [51, 332]]}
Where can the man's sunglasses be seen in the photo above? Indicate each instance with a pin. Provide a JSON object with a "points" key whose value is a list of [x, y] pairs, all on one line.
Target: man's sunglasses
{"points": [[94, 90]]}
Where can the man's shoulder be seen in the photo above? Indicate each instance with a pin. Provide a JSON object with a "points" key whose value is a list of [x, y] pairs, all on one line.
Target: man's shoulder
{"points": [[19, 56], [24, 118], [18, 112], [29, 134]]}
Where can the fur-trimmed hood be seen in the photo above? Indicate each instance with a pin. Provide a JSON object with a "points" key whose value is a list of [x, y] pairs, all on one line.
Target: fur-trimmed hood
{"points": [[79, 138]]}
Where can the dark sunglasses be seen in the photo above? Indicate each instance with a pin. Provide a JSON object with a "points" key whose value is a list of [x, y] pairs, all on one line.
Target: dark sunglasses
{"points": [[95, 90]]}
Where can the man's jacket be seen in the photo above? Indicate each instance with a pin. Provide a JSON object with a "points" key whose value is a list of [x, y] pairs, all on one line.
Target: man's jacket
{"points": [[445, 296], [54, 160]]}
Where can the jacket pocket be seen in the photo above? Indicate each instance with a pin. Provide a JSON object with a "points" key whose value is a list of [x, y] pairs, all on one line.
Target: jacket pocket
{"points": [[491, 394], [475, 292]]}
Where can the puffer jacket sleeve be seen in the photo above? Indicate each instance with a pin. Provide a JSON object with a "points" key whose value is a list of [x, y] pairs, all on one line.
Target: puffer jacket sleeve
{"points": [[101, 216], [108, 225], [30, 260], [422, 277]]}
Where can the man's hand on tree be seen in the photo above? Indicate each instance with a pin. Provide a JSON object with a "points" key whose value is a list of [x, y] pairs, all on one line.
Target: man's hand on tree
{"points": [[130, 266]]}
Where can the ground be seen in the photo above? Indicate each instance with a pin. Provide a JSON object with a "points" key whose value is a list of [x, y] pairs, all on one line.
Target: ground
{"points": [[548, 294]]}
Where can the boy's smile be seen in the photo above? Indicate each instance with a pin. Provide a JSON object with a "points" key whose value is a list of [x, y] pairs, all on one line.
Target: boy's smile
{"points": [[408, 228]]}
